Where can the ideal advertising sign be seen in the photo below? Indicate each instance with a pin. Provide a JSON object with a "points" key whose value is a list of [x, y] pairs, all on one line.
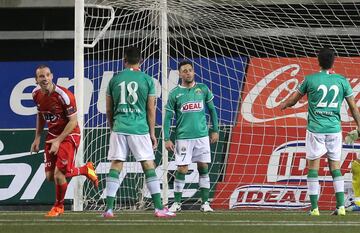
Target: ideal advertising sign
{"points": [[266, 165]]}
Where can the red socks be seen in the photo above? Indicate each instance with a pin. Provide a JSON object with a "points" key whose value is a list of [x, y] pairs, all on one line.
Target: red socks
{"points": [[60, 190], [77, 171]]}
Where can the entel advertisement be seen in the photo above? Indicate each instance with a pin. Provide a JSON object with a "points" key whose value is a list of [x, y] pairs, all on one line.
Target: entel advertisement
{"points": [[223, 75], [22, 177], [266, 165]]}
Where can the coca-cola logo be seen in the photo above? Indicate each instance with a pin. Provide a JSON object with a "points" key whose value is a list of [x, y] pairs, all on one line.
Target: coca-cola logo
{"points": [[264, 93], [269, 100]]}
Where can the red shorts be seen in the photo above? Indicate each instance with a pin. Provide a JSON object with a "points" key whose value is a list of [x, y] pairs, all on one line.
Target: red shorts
{"points": [[64, 159]]}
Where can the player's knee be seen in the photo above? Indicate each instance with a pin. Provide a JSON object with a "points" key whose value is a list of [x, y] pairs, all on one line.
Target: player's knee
{"points": [[183, 169], [148, 164], [203, 168], [59, 174], [117, 165], [334, 165], [49, 176]]}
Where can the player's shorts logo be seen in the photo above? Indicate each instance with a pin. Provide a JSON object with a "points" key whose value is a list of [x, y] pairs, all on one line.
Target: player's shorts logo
{"points": [[64, 161], [183, 151]]}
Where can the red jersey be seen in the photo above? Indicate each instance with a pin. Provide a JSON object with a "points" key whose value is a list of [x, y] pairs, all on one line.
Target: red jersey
{"points": [[56, 108]]}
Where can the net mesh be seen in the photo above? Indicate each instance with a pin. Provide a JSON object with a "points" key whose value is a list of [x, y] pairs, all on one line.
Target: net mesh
{"points": [[252, 55]]}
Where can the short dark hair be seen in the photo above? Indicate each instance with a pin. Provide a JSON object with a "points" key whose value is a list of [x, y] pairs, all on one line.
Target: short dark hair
{"points": [[132, 55], [326, 58], [41, 66], [184, 62]]}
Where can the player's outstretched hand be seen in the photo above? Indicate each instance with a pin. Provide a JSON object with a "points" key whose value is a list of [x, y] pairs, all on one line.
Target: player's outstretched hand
{"points": [[352, 136], [169, 145]]}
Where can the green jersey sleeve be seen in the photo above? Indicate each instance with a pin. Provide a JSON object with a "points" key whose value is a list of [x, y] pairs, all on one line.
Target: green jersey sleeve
{"points": [[108, 89], [170, 105], [347, 89], [152, 90], [302, 88], [209, 95]]}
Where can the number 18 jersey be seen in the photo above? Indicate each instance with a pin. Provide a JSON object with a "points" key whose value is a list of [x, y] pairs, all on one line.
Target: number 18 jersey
{"points": [[129, 91], [326, 93]]}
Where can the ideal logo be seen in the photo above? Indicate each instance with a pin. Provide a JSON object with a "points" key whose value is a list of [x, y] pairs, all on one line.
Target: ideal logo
{"points": [[269, 196], [288, 163], [192, 107]]}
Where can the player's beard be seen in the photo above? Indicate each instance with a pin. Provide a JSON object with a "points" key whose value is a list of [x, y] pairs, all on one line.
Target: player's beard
{"points": [[189, 81]]}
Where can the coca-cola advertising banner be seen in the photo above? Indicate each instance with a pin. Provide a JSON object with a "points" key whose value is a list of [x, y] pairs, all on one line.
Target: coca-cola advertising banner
{"points": [[266, 165], [271, 80]]}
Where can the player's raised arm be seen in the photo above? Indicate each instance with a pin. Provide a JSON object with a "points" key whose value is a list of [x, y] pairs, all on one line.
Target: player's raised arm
{"points": [[292, 100]]}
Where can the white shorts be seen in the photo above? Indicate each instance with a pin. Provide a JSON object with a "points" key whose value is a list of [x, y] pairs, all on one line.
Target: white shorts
{"points": [[319, 144], [139, 145], [192, 150]]}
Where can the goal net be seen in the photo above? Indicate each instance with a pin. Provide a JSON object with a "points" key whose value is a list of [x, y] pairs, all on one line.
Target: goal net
{"points": [[252, 55]]}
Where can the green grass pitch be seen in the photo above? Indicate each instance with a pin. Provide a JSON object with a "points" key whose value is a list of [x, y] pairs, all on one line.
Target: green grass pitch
{"points": [[185, 222]]}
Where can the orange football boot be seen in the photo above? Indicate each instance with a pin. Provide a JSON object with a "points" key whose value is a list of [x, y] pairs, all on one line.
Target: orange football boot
{"points": [[91, 174], [55, 211]]}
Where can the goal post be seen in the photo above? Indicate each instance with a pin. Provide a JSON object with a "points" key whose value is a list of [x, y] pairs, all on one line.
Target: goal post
{"points": [[252, 55], [78, 204]]}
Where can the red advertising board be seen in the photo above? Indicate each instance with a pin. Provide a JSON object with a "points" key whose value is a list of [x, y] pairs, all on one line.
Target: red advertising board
{"points": [[266, 165]]}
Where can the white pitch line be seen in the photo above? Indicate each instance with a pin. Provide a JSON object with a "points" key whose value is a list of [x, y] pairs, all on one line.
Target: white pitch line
{"points": [[235, 213], [105, 223], [175, 221]]}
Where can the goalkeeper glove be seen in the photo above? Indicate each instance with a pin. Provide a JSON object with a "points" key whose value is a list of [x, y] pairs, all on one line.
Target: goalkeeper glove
{"points": [[352, 136]]}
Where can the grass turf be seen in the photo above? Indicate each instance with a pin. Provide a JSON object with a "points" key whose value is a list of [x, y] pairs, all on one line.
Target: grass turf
{"points": [[185, 222]]}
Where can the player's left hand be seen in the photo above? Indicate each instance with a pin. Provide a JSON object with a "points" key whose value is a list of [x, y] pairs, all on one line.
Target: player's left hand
{"points": [[214, 137], [55, 144], [282, 106], [154, 141], [352, 136]]}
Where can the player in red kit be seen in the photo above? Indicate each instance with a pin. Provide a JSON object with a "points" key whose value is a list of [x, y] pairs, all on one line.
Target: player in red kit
{"points": [[57, 107]]}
